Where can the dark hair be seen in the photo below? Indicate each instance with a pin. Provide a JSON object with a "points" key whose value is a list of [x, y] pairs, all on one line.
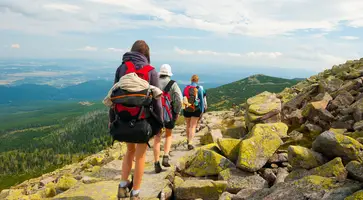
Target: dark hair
{"points": [[163, 76], [141, 47]]}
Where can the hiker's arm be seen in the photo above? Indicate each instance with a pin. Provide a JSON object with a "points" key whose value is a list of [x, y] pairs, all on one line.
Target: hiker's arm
{"points": [[201, 98], [177, 98], [154, 80]]}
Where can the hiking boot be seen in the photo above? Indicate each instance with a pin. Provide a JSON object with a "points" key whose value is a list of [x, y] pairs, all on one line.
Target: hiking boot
{"points": [[125, 191], [165, 162], [157, 167], [190, 147], [134, 196]]}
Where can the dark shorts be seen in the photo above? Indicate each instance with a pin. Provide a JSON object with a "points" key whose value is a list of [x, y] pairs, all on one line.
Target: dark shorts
{"points": [[170, 125], [155, 126], [192, 114]]}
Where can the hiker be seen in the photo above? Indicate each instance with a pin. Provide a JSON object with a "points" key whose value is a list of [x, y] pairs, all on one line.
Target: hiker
{"points": [[193, 107], [171, 103], [131, 124]]}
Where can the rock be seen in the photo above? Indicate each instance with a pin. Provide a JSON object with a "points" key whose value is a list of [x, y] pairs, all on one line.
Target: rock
{"points": [[109, 171], [65, 182], [338, 131], [334, 145], [212, 147], [97, 160], [45, 181], [310, 187], [211, 137], [226, 196], [13, 194], [355, 170], [204, 189], [314, 130], [294, 119], [50, 190], [278, 158], [343, 99], [230, 148], [321, 104], [208, 163], [238, 180], [356, 196], [279, 128], [301, 157], [334, 168], [268, 175], [244, 194], [263, 103], [331, 85], [99, 190], [358, 126], [259, 146], [89, 180], [282, 173]]}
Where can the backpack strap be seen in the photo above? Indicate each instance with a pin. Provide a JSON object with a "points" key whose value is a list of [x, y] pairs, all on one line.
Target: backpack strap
{"points": [[144, 71], [130, 67], [168, 86]]}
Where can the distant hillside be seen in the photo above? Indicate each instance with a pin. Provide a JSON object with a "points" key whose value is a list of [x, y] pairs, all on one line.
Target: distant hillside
{"points": [[237, 92], [91, 90], [39, 141]]}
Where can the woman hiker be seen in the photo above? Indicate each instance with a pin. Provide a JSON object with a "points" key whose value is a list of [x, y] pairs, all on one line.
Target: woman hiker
{"points": [[140, 57], [171, 87], [193, 104]]}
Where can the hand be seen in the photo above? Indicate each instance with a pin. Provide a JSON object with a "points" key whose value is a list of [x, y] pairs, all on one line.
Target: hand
{"points": [[109, 125]]}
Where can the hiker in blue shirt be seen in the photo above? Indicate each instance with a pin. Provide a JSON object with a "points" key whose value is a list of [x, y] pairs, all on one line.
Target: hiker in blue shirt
{"points": [[194, 106]]}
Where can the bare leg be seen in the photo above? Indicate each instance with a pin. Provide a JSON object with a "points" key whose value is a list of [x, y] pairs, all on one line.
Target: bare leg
{"points": [[168, 138], [193, 127], [127, 162], [157, 140], [187, 120], [140, 156]]}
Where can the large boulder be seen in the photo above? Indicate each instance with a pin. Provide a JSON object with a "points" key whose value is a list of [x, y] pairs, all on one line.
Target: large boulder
{"points": [[65, 182], [204, 189], [211, 136], [334, 168], [301, 157], [309, 187], [342, 100], [230, 148], [238, 180], [355, 170], [334, 145], [207, 163], [321, 104], [356, 196], [259, 146], [263, 103]]}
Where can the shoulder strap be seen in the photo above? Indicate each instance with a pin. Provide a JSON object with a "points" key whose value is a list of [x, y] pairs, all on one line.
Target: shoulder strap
{"points": [[168, 86], [130, 67]]}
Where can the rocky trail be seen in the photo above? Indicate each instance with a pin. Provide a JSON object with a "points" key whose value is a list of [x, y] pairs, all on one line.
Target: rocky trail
{"points": [[304, 143]]}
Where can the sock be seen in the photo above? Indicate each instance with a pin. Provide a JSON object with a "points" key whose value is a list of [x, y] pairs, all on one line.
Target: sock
{"points": [[123, 183], [135, 192]]}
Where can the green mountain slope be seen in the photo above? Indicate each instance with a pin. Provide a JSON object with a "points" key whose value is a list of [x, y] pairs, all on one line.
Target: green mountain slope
{"points": [[33, 143], [239, 91]]}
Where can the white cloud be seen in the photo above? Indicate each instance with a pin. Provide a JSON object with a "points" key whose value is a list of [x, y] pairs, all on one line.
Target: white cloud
{"points": [[63, 7], [349, 37], [15, 46], [230, 54], [248, 17], [178, 37], [115, 50], [88, 48]]}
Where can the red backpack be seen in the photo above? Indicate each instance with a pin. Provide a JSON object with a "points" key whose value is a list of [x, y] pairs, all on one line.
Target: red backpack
{"points": [[167, 103], [132, 110], [128, 104], [191, 93]]}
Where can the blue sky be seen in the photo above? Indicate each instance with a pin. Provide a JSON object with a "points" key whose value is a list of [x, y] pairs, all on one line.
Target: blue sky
{"points": [[295, 34]]}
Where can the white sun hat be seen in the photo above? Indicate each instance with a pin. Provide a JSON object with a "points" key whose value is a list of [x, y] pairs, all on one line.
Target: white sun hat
{"points": [[165, 69]]}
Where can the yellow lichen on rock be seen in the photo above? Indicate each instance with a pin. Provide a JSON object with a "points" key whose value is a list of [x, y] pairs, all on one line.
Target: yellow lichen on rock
{"points": [[356, 196], [318, 182], [255, 151], [334, 168], [65, 182], [50, 190], [229, 147], [301, 157], [208, 162]]}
